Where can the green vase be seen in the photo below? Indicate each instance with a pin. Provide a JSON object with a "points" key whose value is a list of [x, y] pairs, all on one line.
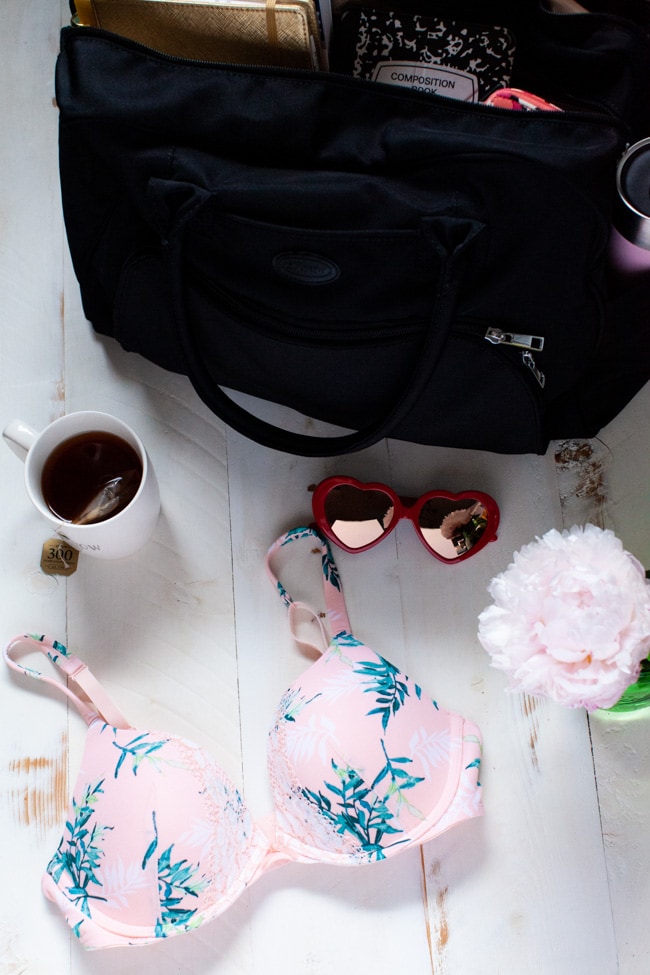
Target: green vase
{"points": [[637, 695]]}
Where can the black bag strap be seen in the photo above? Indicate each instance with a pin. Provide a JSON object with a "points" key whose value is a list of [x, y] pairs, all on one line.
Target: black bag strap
{"points": [[447, 237]]}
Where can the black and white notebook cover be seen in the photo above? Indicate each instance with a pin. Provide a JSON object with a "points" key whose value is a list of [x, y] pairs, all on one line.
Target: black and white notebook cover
{"points": [[431, 54]]}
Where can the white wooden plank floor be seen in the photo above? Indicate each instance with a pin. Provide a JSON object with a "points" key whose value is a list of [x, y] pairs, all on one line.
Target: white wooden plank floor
{"points": [[188, 635]]}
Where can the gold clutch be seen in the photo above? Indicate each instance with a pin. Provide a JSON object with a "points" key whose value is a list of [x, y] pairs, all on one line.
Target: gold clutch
{"points": [[268, 32]]}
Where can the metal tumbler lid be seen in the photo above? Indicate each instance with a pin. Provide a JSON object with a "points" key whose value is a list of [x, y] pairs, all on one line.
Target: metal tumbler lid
{"points": [[632, 217]]}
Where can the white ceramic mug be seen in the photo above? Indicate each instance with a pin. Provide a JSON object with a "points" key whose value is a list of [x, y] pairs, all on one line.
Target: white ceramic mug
{"points": [[118, 535]]}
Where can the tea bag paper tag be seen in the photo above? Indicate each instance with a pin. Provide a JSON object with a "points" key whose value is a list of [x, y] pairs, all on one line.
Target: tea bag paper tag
{"points": [[59, 558]]}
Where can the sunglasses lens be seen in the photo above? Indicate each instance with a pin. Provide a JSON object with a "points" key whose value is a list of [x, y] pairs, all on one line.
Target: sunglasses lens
{"points": [[358, 517], [451, 528]]}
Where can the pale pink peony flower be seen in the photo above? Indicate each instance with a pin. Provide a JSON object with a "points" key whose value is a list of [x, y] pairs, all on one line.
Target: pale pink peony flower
{"points": [[570, 618]]}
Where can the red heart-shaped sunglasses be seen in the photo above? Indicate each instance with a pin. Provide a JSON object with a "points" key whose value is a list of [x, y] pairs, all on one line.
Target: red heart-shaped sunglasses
{"points": [[356, 516]]}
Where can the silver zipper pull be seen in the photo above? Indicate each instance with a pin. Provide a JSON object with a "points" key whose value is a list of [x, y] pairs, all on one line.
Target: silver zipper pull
{"points": [[528, 361], [498, 337]]}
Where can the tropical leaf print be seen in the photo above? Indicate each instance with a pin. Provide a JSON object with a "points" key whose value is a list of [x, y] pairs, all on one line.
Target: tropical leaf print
{"points": [[355, 812], [121, 881], [432, 749], [341, 683], [79, 852], [341, 640], [399, 780], [176, 881], [142, 747], [315, 736], [387, 683], [330, 570], [199, 835], [345, 639], [475, 764], [473, 738], [295, 534], [58, 650], [36, 674], [359, 810], [284, 595], [467, 801], [294, 701]]}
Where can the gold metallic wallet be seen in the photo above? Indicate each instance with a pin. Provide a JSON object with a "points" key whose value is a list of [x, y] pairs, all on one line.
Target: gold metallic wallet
{"points": [[268, 32]]}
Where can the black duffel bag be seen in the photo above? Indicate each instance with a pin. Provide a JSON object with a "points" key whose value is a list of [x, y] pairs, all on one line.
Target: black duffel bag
{"points": [[395, 263]]}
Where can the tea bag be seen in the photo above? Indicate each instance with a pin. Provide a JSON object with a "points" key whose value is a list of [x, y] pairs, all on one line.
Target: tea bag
{"points": [[115, 494]]}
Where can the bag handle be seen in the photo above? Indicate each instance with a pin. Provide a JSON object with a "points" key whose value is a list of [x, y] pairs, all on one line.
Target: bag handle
{"points": [[446, 236]]}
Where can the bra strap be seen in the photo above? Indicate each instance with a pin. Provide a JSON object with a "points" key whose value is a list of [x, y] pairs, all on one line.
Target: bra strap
{"points": [[337, 614], [93, 702]]}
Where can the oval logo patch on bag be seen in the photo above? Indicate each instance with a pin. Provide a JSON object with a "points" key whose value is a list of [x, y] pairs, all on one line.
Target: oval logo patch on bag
{"points": [[305, 268]]}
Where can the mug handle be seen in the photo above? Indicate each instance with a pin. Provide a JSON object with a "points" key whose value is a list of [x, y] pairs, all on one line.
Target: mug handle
{"points": [[19, 437]]}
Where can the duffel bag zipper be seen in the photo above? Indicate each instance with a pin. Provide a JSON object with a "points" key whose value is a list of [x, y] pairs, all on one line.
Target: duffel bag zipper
{"points": [[598, 114], [524, 342], [281, 329], [519, 340], [529, 362]]}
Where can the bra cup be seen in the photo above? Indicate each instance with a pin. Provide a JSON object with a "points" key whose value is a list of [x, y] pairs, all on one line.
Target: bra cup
{"points": [[157, 839], [362, 762]]}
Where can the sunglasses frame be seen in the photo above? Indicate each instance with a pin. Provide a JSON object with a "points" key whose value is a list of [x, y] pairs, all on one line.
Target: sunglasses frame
{"points": [[404, 507]]}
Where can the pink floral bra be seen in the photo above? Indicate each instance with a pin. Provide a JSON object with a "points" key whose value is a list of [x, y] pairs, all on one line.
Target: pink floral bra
{"points": [[158, 841]]}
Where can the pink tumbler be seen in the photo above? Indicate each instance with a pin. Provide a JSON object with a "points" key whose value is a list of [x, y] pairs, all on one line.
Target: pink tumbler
{"points": [[630, 238]]}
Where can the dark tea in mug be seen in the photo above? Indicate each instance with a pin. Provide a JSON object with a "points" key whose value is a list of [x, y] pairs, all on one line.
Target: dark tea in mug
{"points": [[90, 477]]}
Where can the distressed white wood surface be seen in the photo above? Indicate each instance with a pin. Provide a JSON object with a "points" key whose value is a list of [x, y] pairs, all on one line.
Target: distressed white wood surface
{"points": [[189, 636]]}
